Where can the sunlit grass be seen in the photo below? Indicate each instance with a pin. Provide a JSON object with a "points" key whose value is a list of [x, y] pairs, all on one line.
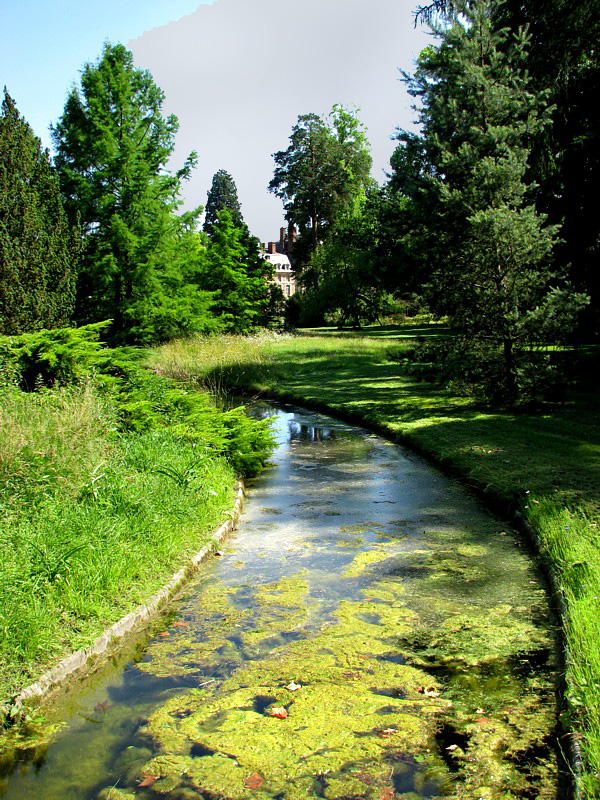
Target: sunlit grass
{"points": [[91, 521]]}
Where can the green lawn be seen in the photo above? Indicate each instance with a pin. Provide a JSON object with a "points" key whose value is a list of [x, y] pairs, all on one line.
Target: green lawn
{"points": [[544, 465]]}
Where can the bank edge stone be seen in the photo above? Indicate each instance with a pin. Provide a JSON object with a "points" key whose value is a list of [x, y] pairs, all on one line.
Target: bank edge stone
{"points": [[65, 669]]}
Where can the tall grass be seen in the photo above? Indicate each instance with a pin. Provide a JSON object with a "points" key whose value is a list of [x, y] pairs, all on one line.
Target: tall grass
{"points": [[92, 520], [218, 364], [544, 464]]}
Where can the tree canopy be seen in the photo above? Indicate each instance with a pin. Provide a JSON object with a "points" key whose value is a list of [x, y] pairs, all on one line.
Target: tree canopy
{"points": [[222, 196], [326, 165], [39, 250], [113, 144]]}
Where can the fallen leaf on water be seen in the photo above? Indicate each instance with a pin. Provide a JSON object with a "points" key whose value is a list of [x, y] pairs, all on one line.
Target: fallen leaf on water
{"points": [[428, 691], [385, 732], [253, 781], [218, 553], [103, 706], [148, 780], [164, 633], [278, 712], [179, 623], [452, 747], [293, 687]]}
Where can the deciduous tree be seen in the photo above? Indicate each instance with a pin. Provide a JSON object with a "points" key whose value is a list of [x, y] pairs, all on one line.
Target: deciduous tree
{"points": [[326, 165]]}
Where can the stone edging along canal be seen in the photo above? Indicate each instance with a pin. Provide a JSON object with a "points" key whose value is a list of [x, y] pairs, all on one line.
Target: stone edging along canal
{"points": [[91, 657]]}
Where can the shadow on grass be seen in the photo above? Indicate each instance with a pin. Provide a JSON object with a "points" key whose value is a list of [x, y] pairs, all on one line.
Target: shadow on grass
{"points": [[426, 330], [553, 454]]}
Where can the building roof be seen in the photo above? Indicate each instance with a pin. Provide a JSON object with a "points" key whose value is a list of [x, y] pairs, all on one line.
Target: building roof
{"points": [[279, 260]]}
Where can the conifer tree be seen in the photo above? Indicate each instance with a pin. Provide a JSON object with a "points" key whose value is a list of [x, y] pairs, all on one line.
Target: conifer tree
{"points": [[38, 248], [490, 250], [222, 196], [113, 144], [237, 277]]}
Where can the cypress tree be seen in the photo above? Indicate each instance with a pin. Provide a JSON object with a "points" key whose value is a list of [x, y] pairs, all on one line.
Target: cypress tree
{"points": [[38, 248], [222, 196]]}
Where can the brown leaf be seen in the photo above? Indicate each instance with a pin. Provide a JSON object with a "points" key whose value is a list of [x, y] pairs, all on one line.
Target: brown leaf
{"points": [[253, 781], [148, 780], [383, 733], [179, 623], [164, 633], [364, 777], [387, 794], [218, 553], [278, 712]]}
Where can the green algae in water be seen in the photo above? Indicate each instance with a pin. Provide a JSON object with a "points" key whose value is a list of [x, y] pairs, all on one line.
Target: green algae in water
{"points": [[417, 669], [361, 713]]}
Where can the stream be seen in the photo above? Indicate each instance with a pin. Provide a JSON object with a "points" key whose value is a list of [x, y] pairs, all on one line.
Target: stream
{"points": [[368, 632]]}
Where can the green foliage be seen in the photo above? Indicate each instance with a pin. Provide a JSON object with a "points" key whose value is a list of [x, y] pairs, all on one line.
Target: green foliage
{"points": [[319, 175], [489, 249], [222, 196], [141, 400], [113, 144], [38, 249], [60, 356], [350, 288], [236, 275], [476, 368]]}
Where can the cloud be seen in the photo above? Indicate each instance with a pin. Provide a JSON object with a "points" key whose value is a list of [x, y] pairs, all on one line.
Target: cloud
{"points": [[238, 73]]}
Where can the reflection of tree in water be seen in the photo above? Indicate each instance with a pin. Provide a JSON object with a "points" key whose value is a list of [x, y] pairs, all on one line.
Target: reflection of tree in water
{"points": [[310, 433]]}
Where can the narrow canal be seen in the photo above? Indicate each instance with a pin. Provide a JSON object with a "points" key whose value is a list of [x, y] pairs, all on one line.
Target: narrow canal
{"points": [[369, 632]]}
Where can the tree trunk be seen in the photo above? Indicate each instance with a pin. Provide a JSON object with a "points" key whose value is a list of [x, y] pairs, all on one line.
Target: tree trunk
{"points": [[512, 387]]}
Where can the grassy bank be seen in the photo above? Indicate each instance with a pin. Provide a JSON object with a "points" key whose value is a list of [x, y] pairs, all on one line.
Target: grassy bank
{"points": [[107, 487], [543, 464]]}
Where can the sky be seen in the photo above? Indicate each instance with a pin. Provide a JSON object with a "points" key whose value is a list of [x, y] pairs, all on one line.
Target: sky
{"points": [[237, 73]]}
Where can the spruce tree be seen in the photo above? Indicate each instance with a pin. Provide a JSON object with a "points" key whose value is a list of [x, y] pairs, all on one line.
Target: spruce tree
{"points": [[222, 196], [491, 249], [38, 248]]}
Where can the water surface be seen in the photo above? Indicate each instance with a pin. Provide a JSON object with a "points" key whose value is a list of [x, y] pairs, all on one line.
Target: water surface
{"points": [[369, 632]]}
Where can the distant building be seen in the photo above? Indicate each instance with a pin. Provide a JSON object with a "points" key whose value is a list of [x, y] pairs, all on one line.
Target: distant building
{"points": [[278, 254]]}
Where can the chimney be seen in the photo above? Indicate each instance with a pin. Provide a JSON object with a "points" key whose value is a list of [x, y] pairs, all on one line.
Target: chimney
{"points": [[272, 248]]}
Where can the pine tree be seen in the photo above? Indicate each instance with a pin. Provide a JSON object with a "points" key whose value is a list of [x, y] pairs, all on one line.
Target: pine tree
{"points": [[113, 144], [326, 165], [222, 196], [38, 248]]}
